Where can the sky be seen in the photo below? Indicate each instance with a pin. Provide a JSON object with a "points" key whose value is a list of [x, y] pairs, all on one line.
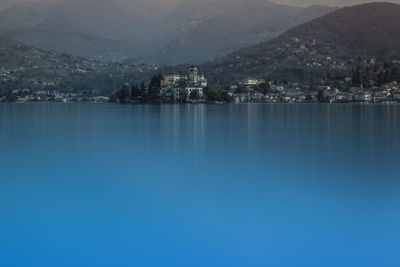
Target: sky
{"points": [[7, 3], [329, 2]]}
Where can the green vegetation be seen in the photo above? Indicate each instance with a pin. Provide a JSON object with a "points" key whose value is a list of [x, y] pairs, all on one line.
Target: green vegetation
{"points": [[142, 94], [327, 48], [217, 93], [24, 67], [194, 95]]}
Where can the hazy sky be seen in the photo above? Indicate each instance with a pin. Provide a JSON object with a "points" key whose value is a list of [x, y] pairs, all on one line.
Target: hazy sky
{"points": [[329, 2], [7, 3]]}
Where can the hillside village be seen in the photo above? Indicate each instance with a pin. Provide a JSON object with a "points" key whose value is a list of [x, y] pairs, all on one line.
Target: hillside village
{"points": [[191, 86], [325, 48], [323, 60], [31, 74], [258, 91], [290, 69]]}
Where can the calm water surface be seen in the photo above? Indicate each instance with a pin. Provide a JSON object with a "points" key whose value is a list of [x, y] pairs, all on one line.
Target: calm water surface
{"points": [[197, 185]]}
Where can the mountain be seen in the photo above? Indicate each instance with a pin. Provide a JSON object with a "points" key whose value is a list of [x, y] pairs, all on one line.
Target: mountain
{"points": [[91, 28], [4, 4], [107, 18], [214, 28], [340, 3], [78, 44], [159, 31], [347, 37], [24, 66]]}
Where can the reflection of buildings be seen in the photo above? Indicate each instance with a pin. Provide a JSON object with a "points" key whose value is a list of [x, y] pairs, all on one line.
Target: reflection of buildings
{"points": [[175, 87]]}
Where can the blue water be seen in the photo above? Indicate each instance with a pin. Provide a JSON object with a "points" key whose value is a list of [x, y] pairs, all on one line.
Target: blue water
{"points": [[198, 185]]}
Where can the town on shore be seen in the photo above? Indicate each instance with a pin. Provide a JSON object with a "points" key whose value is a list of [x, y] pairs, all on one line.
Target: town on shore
{"points": [[193, 87]]}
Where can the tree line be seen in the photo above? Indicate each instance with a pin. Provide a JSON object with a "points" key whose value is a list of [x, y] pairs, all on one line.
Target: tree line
{"points": [[139, 93], [151, 93]]}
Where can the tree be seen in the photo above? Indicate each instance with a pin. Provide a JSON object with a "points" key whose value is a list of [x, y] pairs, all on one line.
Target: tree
{"points": [[312, 84], [135, 92], [194, 95], [123, 94], [143, 86], [184, 96], [240, 90], [226, 97], [212, 93], [114, 98], [143, 92], [381, 78], [322, 98], [396, 72], [265, 87], [309, 98], [356, 77], [156, 81], [387, 77], [154, 88]]}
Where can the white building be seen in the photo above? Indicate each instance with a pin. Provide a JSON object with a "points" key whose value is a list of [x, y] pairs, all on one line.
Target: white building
{"points": [[176, 84], [193, 75], [171, 79], [250, 81], [189, 90]]}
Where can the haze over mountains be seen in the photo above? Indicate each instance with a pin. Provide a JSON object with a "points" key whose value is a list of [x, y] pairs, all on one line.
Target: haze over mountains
{"points": [[4, 4], [157, 31], [343, 39], [329, 47], [213, 28], [340, 3]]}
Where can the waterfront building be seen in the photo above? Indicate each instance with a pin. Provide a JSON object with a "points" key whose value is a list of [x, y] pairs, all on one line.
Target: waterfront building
{"points": [[174, 85]]}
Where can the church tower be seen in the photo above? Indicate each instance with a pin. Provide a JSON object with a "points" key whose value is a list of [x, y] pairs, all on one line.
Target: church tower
{"points": [[193, 74]]}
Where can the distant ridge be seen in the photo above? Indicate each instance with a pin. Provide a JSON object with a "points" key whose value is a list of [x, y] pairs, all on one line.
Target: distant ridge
{"points": [[151, 31], [347, 36], [27, 67], [370, 29]]}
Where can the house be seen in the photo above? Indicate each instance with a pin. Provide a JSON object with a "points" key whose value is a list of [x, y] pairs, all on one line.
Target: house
{"points": [[174, 85], [171, 79], [363, 97], [250, 81]]}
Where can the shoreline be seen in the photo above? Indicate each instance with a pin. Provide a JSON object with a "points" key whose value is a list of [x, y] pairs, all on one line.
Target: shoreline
{"points": [[200, 103]]}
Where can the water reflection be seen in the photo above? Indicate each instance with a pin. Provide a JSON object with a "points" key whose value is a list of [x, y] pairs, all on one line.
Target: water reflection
{"points": [[198, 185]]}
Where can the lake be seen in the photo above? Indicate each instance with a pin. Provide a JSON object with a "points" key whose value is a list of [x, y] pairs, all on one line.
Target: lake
{"points": [[199, 185]]}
